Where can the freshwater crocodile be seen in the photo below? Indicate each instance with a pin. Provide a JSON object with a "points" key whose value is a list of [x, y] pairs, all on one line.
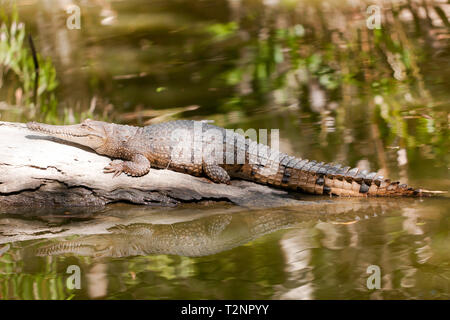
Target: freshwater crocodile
{"points": [[202, 149], [199, 237], [207, 235]]}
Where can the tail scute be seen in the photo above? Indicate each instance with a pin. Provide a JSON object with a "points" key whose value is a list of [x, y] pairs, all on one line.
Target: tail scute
{"points": [[333, 179]]}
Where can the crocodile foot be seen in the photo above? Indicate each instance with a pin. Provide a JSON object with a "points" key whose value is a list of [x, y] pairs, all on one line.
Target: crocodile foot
{"points": [[116, 167]]}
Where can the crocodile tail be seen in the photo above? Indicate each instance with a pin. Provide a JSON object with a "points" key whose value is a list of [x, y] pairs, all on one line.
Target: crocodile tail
{"points": [[327, 178], [355, 182], [347, 181]]}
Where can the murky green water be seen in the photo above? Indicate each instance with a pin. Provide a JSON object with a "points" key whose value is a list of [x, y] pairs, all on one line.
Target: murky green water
{"points": [[336, 90], [222, 252]]}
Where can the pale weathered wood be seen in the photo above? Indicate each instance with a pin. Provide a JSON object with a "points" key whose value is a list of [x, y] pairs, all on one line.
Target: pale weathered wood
{"points": [[41, 172]]}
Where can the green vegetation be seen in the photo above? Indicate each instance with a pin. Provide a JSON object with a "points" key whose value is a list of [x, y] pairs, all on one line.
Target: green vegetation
{"points": [[323, 65], [18, 71]]}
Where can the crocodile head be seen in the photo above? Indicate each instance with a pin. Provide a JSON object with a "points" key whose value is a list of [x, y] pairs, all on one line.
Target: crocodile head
{"points": [[89, 133], [101, 245]]}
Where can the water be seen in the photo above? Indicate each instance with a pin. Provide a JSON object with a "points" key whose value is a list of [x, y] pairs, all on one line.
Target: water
{"points": [[378, 100], [313, 252]]}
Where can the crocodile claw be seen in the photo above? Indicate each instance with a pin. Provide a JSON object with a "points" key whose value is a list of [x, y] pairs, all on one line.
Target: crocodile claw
{"points": [[115, 167]]}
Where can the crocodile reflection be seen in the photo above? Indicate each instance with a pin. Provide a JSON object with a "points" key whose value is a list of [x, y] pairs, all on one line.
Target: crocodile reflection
{"points": [[203, 236]]}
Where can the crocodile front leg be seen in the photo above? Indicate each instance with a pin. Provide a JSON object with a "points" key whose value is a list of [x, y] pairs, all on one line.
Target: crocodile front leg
{"points": [[137, 167]]}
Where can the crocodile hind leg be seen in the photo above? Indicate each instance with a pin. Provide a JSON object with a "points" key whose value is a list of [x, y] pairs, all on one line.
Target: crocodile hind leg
{"points": [[137, 167], [216, 173]]}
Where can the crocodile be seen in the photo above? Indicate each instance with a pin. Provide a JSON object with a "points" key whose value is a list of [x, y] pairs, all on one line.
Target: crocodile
{"points": [[202, 149], [206, 235], [200, 237]]}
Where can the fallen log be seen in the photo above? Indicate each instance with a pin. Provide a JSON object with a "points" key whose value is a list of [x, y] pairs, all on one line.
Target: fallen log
{"points": [[44, 172]]}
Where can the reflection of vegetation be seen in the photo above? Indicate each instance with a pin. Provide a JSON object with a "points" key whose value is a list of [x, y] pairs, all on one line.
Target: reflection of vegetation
{"points": [[337, 53], [17, 283], [16, 65], [222, 31], [335, 67], [323, 253]]}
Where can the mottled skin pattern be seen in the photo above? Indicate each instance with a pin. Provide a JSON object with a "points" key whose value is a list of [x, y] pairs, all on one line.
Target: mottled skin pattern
{"points": [[193, 238], [158, 146], [211, 234], [199, 237]]}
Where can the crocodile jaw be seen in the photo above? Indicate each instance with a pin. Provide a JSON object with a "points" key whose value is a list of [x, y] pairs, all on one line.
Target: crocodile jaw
{"points": [[93, 246], [90, 133]]}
